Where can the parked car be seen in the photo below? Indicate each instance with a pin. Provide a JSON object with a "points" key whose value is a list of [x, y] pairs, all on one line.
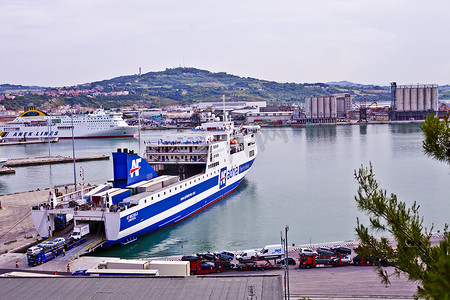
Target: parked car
{"points": [[306, 251], [59, 240], [344, 259], [226, 265], [325, 251], [342, 250], [247, 255], [79, 273], [224, 255], [47, 244], [367, 260], [206, 256], [320, 260], [34, 250], [190, 258], [206, 266], [246, 265], [290, 261]]}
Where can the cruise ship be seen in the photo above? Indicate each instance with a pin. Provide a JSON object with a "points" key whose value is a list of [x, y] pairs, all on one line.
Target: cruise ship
{"points": [[35, 124], [179, 175]]}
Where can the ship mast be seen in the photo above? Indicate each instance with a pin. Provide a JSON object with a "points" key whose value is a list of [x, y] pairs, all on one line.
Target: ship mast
{"points": [[224, 112]]}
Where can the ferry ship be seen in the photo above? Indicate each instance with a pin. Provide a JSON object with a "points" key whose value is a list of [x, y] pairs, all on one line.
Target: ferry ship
{"points": [[180, 175], [35, 124]]}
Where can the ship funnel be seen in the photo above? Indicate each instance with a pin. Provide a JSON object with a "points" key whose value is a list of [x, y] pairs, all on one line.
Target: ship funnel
{"points": [[130, 168]]}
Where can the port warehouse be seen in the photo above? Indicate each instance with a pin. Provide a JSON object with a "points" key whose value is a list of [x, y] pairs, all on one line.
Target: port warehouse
{"points": [[199, 287]]}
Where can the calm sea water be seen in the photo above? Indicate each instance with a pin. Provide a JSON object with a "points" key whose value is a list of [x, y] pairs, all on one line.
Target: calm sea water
{"points": [[303, 177]]}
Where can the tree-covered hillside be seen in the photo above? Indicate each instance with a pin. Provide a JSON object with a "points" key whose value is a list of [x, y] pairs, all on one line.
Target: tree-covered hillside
{"points": [[185, 86]]}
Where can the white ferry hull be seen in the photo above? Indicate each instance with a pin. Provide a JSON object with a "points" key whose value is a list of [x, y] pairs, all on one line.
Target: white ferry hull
{"points": [[140, 202], [99, 125], [167, 212]]}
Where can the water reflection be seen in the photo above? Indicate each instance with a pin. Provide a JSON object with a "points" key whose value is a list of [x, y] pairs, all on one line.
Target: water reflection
{"points": [[406, 128], [321, 132], [363, 129]]}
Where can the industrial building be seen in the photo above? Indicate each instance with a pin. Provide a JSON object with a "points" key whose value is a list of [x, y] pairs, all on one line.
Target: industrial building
{"points": [[413, 102], [269, 117], [326, 109]]}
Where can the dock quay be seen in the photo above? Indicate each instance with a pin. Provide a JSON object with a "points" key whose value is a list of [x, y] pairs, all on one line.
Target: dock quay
{"points": [[347, 282], [26, 142], [33, 161], [6, 170]]}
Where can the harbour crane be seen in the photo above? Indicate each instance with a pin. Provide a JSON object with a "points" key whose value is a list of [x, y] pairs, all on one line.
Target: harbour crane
{"points": [[363, 108]]}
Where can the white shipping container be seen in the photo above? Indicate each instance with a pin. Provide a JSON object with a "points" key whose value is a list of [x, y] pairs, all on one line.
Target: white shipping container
{"points": [[170, 180], [128, 264], [171, 268]]}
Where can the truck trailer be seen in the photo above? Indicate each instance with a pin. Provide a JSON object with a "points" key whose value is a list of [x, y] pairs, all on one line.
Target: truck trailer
{"points": [[79, 231]]}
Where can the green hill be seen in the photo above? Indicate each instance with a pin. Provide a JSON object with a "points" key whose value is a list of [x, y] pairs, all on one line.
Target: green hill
{"points": [[186, 86]]}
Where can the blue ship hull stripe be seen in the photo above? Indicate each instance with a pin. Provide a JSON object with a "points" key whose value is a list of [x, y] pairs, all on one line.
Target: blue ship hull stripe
{"points": [[182, 214], [163, 205]]}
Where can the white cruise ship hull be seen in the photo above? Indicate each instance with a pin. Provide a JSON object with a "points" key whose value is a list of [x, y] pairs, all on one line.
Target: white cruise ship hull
{"points": [[37, 125]]}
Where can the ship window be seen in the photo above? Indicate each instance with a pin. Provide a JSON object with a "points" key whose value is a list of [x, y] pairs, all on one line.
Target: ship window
{"points": [[152, 198], [181, 186], [170, 191], [164, 193], [158, 195], [145, 201]]}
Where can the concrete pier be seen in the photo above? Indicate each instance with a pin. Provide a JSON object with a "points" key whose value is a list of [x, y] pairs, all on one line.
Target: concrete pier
{"points": [[33, 161], [6, 170], [26, 142]]}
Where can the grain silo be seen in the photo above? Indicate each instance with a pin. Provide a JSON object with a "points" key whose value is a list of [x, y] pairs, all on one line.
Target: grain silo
{"points": [[413, 102]]}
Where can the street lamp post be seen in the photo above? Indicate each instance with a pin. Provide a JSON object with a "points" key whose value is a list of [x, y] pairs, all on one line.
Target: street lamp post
{"points": [[73, 154], [284, 244], [286, 260]]}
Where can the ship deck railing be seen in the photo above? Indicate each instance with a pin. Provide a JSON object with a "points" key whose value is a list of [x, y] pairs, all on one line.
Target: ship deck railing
{"points": [[172, 150], [175, 143], [176, 161]]}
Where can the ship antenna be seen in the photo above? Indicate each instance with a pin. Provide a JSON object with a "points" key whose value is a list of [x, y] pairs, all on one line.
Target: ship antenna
{"points": [[224, 112]]}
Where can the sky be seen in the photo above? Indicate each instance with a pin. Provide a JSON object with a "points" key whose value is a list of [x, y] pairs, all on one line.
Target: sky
{"points": [[68, 42]]}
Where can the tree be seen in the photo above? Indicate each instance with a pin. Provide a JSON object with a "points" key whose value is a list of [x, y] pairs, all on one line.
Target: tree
{"points": [[414, 254], [437, 138]]}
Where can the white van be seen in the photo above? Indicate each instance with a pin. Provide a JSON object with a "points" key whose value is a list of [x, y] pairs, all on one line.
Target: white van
{"points": [[271, 251], [247, 255]]}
